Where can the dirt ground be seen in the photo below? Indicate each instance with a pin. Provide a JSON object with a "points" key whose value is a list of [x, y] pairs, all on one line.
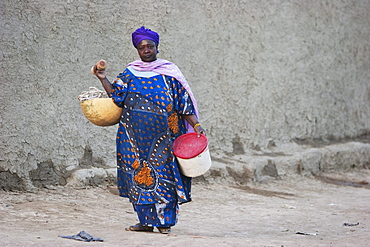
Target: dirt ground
{"points": [[294, 211]]}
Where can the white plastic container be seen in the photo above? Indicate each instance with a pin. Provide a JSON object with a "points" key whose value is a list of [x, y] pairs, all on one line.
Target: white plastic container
{"points": [[193, 155]]}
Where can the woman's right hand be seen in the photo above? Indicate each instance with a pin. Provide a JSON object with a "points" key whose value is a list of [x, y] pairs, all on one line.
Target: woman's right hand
{"points": [[99, 73]]}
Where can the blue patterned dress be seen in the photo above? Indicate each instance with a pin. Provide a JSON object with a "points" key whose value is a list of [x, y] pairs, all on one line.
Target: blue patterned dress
{"points": [[148, 172]]}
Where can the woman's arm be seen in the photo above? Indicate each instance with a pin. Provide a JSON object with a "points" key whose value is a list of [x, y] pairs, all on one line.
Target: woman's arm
{"points": [[192, 119]]}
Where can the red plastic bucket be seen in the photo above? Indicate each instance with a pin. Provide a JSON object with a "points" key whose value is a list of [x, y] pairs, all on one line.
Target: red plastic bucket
{"points": [[192, 154]]}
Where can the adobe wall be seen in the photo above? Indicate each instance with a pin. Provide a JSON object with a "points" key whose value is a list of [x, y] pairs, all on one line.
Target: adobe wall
{"points": [[265, 74]]}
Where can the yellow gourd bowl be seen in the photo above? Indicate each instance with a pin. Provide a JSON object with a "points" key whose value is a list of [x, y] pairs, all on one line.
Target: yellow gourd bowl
{"points": [[101, 111]]}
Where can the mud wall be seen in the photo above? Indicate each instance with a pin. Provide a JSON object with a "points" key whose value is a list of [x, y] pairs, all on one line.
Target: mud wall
{"points": [[264, 72]]}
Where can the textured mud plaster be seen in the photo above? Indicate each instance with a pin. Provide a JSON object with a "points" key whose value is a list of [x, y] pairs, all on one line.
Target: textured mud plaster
{"points": [[89, 160], [241, 174], [270, 169], [11, 181], [262, 72], [47, 174], [238, 147]]}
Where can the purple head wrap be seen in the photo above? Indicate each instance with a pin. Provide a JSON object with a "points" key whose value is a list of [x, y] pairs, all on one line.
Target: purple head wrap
{"points": [[143, 33]]}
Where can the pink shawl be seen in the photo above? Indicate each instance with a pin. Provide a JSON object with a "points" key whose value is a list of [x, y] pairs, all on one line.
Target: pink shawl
{"points": [[165, 67]]}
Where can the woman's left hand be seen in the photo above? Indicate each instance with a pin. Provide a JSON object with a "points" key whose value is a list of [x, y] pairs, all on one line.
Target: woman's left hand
{"points": [[192, 119], [199, 130]]}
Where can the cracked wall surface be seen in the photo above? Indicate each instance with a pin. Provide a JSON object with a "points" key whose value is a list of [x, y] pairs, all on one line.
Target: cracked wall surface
{"points": [[262, 71]]}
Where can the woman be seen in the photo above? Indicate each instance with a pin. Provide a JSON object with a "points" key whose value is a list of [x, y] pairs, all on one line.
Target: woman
{"points": [[158, 106]]}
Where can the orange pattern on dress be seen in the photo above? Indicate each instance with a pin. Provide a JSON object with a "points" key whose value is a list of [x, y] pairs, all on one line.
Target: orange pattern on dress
{"points": [[136, 164], [173, 121], [143, 176]]}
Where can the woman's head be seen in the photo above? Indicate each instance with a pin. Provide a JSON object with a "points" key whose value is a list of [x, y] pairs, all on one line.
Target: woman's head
{"points": [[147, 50], [146, 42]]}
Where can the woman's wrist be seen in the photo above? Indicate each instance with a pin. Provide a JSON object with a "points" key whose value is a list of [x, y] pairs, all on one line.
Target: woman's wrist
{"points": [[105, 79], [196, 125]]}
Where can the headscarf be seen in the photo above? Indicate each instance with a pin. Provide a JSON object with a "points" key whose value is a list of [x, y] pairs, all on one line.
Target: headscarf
{"points": [[165, 67], [143, 33]]}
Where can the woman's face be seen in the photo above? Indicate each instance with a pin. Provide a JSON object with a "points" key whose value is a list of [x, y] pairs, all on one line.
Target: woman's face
{"points": [[147, 50]]}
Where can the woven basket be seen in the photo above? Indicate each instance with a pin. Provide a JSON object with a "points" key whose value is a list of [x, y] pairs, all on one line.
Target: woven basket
{"points": [[101, 111]]}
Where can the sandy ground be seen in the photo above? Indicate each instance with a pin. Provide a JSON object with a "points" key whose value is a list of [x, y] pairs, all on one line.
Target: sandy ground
{"points": [[267, 214]]}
